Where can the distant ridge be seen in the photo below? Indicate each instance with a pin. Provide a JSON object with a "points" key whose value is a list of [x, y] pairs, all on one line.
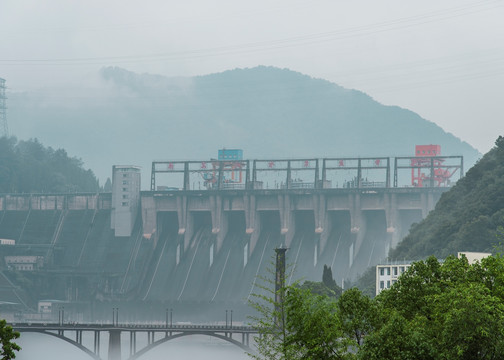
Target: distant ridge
{"points": [[269, 112]]}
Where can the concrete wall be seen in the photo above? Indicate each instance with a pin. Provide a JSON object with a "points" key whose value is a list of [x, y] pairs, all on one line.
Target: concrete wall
{"points": [[392, 201], [24, 202]]}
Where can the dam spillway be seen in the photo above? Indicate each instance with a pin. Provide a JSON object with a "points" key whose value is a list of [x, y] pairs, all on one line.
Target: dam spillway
{"points": [[201, 244], [349, 230]]}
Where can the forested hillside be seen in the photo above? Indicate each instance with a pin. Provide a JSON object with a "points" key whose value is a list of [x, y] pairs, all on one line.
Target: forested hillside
{"points": [[469, 217], [28, 166]]}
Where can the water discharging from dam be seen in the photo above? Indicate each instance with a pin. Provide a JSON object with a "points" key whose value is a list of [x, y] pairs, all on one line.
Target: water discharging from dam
{"points": [[204, 271]]}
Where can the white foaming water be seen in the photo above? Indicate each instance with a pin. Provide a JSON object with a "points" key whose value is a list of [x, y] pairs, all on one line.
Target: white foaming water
{"points": [[45, 347]]}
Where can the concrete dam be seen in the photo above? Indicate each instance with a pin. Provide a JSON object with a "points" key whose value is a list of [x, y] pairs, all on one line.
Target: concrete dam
{"points": [[195, 243]]}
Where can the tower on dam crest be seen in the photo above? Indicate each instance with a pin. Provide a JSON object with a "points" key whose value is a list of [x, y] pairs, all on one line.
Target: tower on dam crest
{"points": [[125, 198]]}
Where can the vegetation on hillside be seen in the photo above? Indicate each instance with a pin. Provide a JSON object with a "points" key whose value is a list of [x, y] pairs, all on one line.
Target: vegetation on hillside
{"points": [[28, 166], [450, 310], [469, 217]]}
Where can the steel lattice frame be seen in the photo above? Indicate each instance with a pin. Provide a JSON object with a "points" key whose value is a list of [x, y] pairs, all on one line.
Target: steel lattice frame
{"points": [[4, 130]]}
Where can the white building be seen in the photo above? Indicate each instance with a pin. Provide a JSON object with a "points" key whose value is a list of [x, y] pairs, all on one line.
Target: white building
{"points": [[472, 257], [24, 262], [48, 306], [125, 198], [387, 275]]}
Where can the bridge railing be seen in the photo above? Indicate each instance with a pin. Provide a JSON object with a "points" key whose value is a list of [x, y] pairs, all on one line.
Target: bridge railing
{"points": [[160, 327]]}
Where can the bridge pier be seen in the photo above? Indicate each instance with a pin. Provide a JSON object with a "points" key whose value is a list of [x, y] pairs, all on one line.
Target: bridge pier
{"points": [[245, 339], [114, 349], [150, 337], [132, 343], [96, 342], [78, 336]]}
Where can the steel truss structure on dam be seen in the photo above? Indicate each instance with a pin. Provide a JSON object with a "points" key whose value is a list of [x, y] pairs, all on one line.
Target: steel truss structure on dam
{"points": [[155, 335], [435, 171]]}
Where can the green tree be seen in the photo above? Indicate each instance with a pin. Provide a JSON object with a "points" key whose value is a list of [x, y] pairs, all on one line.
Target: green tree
{"points": [[108, 185], [319, 288], [28, 166], [435, 311], [398, 339], [314, 328], [272, 343], [469, 322], [357, 314], [447, 311], [7, 335]]}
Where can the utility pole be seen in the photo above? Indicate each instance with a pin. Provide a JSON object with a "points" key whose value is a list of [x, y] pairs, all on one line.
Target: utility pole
{"points": [[279, 283]]}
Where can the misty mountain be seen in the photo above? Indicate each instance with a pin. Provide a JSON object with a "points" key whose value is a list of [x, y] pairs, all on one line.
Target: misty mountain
{"points": [[120, 117], [469, 217]]}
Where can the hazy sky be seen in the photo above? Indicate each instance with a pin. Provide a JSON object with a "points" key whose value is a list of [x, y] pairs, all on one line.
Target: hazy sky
{"points": [[441, 59]]}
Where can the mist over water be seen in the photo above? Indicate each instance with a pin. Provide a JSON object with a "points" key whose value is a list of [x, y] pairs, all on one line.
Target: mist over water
{"points": [[44, 347]]}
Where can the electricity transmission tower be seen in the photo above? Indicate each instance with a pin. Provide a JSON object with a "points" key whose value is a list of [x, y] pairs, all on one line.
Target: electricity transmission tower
{"points": [[4, 129]]}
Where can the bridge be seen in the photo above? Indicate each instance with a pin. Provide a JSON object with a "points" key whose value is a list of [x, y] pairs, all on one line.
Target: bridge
{"points": [[155, 335]]}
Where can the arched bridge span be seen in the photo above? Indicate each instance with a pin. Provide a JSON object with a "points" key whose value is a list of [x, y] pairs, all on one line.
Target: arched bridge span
{"points": [[156, 335]]}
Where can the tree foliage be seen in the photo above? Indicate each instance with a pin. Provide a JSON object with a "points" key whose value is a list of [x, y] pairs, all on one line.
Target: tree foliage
{"points": [[435, 311], [326, 287], [314, 327], [7, 335], [28, 166]]}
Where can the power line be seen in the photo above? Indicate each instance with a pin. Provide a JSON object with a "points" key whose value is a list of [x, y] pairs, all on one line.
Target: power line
{"points": [[277, 44]]}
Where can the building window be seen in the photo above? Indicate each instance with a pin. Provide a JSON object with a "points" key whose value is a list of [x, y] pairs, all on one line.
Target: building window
{"points": [[401, 269], [124, 189], [382, 271], [388, 271], [382, 284], [124, 203], [125, 175], [395, 270], [388, 284], [125, 196], [125, 182]]}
